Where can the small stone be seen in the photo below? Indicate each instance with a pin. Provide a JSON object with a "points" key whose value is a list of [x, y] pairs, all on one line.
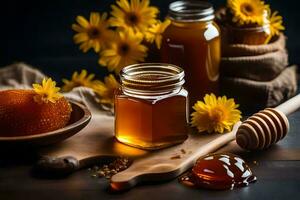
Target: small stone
{"points": [[101, 173], [94, 175], [175, 157]]}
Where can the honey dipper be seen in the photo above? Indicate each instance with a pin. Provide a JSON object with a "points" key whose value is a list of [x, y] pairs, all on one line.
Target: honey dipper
{"points": [[266, 127]]}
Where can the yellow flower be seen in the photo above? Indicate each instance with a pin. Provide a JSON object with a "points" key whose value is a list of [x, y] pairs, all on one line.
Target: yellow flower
{"points": [[106, 90], [82, 79], [136, 15], [276, 24], [247, 11], [215, 114], [46, 92], [155, 32], [92, 34], [125, 50]]}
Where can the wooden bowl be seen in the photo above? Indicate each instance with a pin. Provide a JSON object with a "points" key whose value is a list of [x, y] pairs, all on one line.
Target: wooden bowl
{"points": [[80, 117]]}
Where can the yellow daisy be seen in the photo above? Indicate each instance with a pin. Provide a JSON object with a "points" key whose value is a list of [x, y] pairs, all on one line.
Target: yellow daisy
{"points": [[46, 92], [276, 24], [106, 90], [247, 11], [78, 79], [155, 32], [92, 34], [125, 50], [215, 114], [136, 15]]}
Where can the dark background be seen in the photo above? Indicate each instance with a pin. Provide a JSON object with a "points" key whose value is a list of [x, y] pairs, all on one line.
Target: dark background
{"points": [[39, 32]]}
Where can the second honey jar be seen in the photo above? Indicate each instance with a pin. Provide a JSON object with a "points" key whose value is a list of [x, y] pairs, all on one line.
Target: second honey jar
{"points": [[192, 41]]}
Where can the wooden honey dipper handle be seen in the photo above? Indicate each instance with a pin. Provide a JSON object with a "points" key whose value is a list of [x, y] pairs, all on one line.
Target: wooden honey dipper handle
{"points": [[266, 127], [290, 106]]}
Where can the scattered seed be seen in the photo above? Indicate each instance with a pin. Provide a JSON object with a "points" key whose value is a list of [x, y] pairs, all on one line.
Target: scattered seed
{"points": [[108, 170]]}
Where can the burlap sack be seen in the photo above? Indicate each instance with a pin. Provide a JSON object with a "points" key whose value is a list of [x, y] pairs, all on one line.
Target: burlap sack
{"points": [[254, 96], [254, 62], [235, 50]]}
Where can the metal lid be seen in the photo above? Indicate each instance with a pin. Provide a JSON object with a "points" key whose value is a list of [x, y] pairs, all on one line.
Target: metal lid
{"points": [[190, 11]]}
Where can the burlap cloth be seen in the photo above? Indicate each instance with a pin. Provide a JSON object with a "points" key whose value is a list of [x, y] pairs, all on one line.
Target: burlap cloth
{"points": [[254, 62], [257, 76], [254, 96]]}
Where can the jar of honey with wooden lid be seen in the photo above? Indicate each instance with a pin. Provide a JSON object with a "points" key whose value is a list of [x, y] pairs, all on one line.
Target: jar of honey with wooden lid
{"points": [[151, 106], [192, 41]]}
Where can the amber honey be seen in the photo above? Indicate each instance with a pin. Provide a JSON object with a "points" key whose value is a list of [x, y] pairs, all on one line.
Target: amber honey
{"points": [[219, 172], [151, 106], [251, 35], [192, 41]]}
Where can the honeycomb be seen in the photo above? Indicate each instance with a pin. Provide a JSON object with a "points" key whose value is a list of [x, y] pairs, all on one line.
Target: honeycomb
{"points": [[20, 115]]}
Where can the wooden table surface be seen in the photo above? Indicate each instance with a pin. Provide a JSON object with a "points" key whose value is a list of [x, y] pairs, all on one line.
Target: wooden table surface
{"points": [[277, 170]]}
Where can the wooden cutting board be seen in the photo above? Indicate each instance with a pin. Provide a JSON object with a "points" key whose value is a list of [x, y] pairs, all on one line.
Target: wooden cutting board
{"points": [[96, 142]]}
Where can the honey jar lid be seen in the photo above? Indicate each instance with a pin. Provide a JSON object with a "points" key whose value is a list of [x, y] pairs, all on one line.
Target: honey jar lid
{"points": [[191, 11]]}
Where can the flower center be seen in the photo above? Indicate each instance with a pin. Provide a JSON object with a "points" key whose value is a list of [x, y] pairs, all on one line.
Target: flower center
{"points": [[247, 9], [42, 98], [123, 49], [132, 19], [94, 33], [217, 115]]}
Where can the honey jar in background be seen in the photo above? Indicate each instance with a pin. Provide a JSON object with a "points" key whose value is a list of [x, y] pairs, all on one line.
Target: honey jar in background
{"points": [[251, 34], [151, 106], [192, 41]]}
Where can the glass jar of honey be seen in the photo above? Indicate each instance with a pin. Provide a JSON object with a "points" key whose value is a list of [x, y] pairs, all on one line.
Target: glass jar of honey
{"points": [[250, 35], [192, 41], [151, 106]]}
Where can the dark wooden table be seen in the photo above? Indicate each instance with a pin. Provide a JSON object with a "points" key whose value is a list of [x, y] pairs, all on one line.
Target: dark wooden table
{"points": [[277, 170]]}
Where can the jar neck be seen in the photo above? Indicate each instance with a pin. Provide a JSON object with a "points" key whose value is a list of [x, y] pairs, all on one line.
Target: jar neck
{"points": [[191, 24], [151, 80], [191, 11], [263, 28]]}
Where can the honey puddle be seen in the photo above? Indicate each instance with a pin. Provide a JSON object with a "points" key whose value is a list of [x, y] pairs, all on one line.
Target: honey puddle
{"points": [[219, 172]]}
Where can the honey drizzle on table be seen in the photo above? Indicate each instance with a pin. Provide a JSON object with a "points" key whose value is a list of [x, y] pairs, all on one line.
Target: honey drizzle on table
{"points": [[219, 172]]}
